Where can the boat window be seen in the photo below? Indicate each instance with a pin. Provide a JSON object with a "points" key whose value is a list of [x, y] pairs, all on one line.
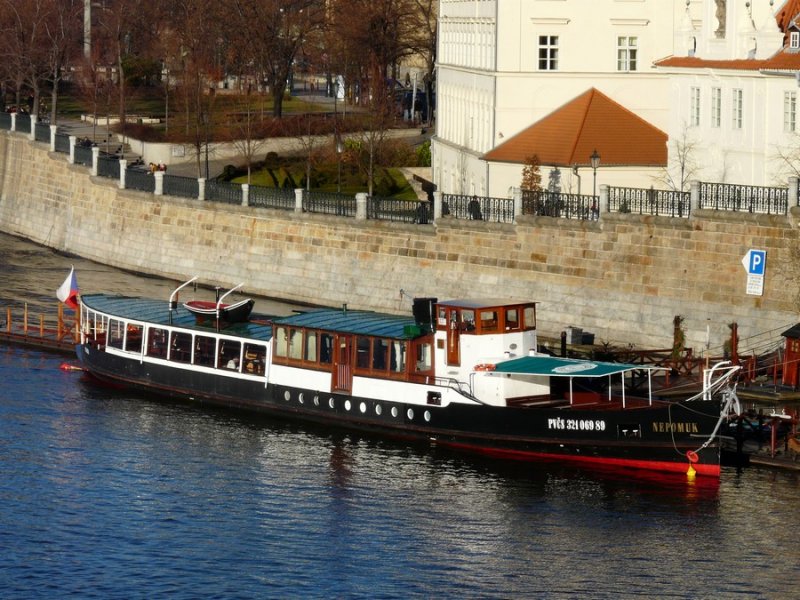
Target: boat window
{"points": [[254, 359], [310, 351], [205, 350], [180, 346], [325, 348], [362, 352], [397, 361], [296, 343], [157, 342], [488, 321], [229, 354], [133, 339], [116, 330], [468, 319], [380, 353], [530, 317], [424, 356], [281, 339], [441, 320], [512, 319]]}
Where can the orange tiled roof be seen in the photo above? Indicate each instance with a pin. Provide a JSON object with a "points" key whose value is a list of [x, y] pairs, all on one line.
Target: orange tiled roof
{"points": [[592, 121], [787, 14], [789, 61]]}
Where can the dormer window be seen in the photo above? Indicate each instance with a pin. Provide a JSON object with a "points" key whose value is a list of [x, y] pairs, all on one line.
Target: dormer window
{"points": [[794, 40]]}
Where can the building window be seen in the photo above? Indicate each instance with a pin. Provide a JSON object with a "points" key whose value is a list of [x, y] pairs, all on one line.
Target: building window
{"points": [[737, 109], [548, 52], [794, 40], [716, 107], [789, 111], [626, 53], [694, 116]]}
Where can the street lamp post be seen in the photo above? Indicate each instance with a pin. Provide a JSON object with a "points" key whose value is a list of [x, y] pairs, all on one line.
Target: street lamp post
{"points": [[339, 149], [595, 158]]}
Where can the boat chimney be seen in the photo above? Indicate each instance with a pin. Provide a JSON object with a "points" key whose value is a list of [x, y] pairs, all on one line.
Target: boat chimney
{"points": [[423, 310]]}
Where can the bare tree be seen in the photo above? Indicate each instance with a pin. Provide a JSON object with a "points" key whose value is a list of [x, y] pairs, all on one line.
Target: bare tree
{"points": [[682, 165], [248, 129]]}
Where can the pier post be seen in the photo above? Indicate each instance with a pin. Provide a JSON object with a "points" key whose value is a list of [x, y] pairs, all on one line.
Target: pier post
{"points": [[298, 200], [159, 189], [694, 191], [361, 206], [95, 159], [201, 188], [245, 194], [32, 134], [604, 197], [793, 192], [517, 196], [123, 165], [437, 206], [53, 131], [72, 141]]}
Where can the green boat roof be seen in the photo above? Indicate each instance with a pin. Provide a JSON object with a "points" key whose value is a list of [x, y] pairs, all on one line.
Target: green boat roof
{"points": [[359, 322], [551, 366], [157, 312]]}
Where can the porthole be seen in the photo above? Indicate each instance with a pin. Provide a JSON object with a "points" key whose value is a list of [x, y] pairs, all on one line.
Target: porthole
{"points": [[378, 409], [362, 407], [347, 404], [427, 416], [300, 398], [316, 400], [394, 411], [286, 395], [331, 403], [410, 414]]}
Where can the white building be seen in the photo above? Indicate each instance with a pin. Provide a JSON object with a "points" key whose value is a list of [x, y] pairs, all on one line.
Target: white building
{"points": [[505, 65]]}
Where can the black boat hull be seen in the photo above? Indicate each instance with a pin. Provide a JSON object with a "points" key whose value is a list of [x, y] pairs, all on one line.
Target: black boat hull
{"points": [[664, 437]]}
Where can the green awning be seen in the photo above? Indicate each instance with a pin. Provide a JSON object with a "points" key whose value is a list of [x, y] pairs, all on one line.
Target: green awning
{"points": [[550, 366]]}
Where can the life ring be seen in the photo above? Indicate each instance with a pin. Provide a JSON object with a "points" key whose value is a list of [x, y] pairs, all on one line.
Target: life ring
{"points": [[692, 456]]}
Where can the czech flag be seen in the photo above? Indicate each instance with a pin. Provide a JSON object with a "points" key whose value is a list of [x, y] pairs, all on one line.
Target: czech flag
{"points": [[68, 292]]}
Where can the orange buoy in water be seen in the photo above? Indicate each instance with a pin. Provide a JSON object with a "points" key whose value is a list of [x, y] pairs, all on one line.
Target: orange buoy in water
{"points": [[70, 367]]}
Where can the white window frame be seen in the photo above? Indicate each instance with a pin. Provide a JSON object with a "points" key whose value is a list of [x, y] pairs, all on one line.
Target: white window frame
{"points": [[737, 109], [547, 59], [694, 114], [789, 112], [794, 40], [627, 52], [716, 107]]}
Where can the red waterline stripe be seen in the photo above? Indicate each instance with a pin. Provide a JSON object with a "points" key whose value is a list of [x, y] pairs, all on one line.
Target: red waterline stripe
{"points": [[649, 465]]}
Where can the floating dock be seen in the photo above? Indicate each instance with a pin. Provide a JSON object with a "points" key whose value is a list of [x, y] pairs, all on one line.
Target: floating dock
{"points": [[54, 334]]}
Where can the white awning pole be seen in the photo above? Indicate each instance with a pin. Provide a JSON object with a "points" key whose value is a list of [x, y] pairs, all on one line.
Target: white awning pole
{"points": [[623, 389], [570, 391]]}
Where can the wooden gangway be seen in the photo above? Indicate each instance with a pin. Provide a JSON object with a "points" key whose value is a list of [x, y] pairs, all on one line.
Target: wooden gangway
{"points": [[55, 333]]}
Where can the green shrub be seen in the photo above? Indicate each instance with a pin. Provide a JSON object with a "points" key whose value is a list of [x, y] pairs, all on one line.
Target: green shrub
{"points": [[424, 154]]}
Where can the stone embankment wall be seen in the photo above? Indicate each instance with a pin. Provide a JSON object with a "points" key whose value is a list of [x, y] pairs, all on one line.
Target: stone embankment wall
{"points": [[623, 277]]}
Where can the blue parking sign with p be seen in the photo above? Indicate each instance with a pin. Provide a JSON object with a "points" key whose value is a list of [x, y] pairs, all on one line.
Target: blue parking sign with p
{"points": [[757, 261]]}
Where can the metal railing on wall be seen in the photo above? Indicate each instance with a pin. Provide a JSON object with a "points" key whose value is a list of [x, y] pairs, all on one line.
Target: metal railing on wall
{"points": [[744, 198], [560, 205], [186, 187], [108, 167], [223, 191], [650, 201], [329, 203], [478, 208], [403, 211], [266, 197], [136, 179]]}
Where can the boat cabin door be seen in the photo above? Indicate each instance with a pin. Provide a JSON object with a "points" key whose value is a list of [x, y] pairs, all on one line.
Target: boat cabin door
{"points": [[343, 363], [454, 336]]}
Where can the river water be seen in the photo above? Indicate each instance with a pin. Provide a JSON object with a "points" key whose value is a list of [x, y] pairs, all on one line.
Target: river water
{"points": [[105, 494]]}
